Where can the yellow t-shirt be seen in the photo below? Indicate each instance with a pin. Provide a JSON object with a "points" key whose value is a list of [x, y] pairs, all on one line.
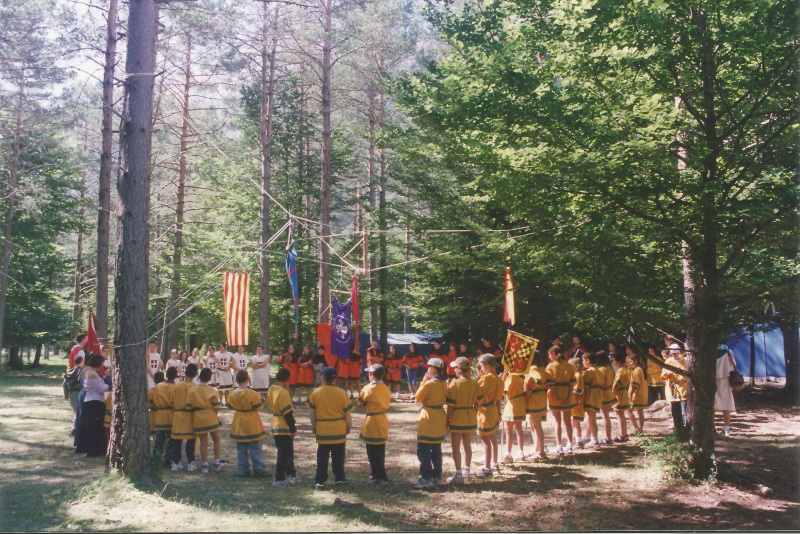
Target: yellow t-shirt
{"points": [[204, 402], [593, 389], [637, 392], [578, 411], [183, 420], [246, 425], [622, 381], [152, 413], [514, 410], [330, 405], [654, 371], [432, 420], [280, 404], [491, 389], [462, 395], [376, 397], [675, 385], [162, 405], [560, 393], [536, 391], [107, 418], [607, 374]]}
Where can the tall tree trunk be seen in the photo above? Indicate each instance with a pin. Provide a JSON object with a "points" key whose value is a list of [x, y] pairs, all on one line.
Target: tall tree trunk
{"points": [[407, 278], [269, 50], [171, 332], [12, 196], [76, 295], [130, 430], [104, 181], [382, 237], [325, 181], [14, 358], [791, 355], [37, 358], [374, 318]]}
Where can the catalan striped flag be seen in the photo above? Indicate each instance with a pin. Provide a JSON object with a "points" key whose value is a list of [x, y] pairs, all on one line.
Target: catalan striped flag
{"points": [[236, 293]]}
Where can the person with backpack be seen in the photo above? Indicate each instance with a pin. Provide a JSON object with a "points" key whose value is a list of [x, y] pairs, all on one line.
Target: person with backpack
{"points": [[73, 384]]}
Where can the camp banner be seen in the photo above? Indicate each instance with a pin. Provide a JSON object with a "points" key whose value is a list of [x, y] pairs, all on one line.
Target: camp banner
{"points": [[518, 353], [341, 328]]}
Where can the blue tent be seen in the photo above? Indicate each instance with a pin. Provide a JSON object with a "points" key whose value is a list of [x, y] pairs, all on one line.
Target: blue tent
{"points": [[769, 359]]}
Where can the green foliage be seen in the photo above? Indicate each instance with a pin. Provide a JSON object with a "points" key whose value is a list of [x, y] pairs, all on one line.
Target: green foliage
{"points": [[669, 454]]}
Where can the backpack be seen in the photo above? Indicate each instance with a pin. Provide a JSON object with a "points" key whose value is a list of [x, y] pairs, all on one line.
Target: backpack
{"points": [[72, 379]]}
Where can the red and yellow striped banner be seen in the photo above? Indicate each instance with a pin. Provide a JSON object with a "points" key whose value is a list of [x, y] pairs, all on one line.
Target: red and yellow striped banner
{"points": [[236, 293]]}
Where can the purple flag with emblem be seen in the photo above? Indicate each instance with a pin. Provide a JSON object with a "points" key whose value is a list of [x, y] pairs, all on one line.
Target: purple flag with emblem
{"points": [[341, 329]]}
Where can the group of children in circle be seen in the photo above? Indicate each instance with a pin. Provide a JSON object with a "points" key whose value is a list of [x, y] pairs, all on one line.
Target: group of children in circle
{"points": [[574, 386]]}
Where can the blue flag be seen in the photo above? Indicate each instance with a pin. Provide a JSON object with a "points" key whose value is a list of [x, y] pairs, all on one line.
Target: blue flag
{"points": [[291, 272], [341, 331]]}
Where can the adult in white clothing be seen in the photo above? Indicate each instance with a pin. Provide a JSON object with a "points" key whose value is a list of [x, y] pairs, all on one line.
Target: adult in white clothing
{"points": [[723, 402]]}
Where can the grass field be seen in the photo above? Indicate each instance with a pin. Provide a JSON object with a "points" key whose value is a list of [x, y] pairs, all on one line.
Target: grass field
{"points": [[45, 486]]}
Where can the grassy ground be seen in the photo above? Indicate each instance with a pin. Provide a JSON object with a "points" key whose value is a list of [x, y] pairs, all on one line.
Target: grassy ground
{"points": [[45, 486]]}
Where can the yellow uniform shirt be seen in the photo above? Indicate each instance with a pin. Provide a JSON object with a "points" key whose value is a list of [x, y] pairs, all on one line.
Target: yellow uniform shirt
{"points": [[152, 413], [622, 381], [536, 391], [204, 402], [246, 425], [560, 393], [280, 404], [376, 397], [607, 374], [432, 420], [162, 405], [514, 410], [183, 420], [491, 388], [675, 385], [330, 406], [637, 392], [654, 371], [578, 391], [593, 390], [107, 418], [462, 395]]}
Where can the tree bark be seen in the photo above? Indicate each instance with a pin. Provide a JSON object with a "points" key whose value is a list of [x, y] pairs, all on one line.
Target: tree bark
{"points": [[104, 180], [325, 179], [76, 295], [171, 332], [12, 194], [791, 355], [268, 61], [382, 274], [407, 278], [374, 318], [37, 358], [130, 430], [14, 358]]}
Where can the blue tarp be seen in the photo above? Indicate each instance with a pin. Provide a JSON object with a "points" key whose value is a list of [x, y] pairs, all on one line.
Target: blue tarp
{"points": [[769, 357]]}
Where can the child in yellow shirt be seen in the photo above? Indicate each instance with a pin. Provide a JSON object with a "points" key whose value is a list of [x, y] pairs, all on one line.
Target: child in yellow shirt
{"points": [[675, 386], [578, 412], [514, 414], [164, 411], [622, 380], [637, 392], [203, 402], [376, 397], [463, 395], [431, 424], [283, 428], [491, 389], [246, 429]]}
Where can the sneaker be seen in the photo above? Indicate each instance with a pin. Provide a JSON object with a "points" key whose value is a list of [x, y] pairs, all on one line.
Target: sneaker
{"points": [[422, 483], [279, 483], [465, 472], [205, 469], [192, 466], [495, 468], [437, 481], [592, 443], [319, 485], [508, 459], [518, 457], [176, 467], [546, 450], [584, 440], [568, 449], [484, 472], [560, 450], [293, 479], [538, 456], [726, 431], [219, 465], [458, 478], [340, 482]]}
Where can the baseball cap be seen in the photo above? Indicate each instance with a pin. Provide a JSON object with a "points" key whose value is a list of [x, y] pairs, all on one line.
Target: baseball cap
{"points": [[674, 348], [375, 367], [461, 362], [435, 362], [328, 372], [487, 358]]}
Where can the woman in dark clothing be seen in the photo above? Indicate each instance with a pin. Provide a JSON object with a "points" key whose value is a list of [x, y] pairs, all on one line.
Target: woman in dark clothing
{"points": [[91, 436]]}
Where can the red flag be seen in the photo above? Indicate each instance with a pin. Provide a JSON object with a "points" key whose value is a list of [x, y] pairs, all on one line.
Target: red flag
{"points": [[236, 294], [354, 299], [92, 344], [508, 314]]}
